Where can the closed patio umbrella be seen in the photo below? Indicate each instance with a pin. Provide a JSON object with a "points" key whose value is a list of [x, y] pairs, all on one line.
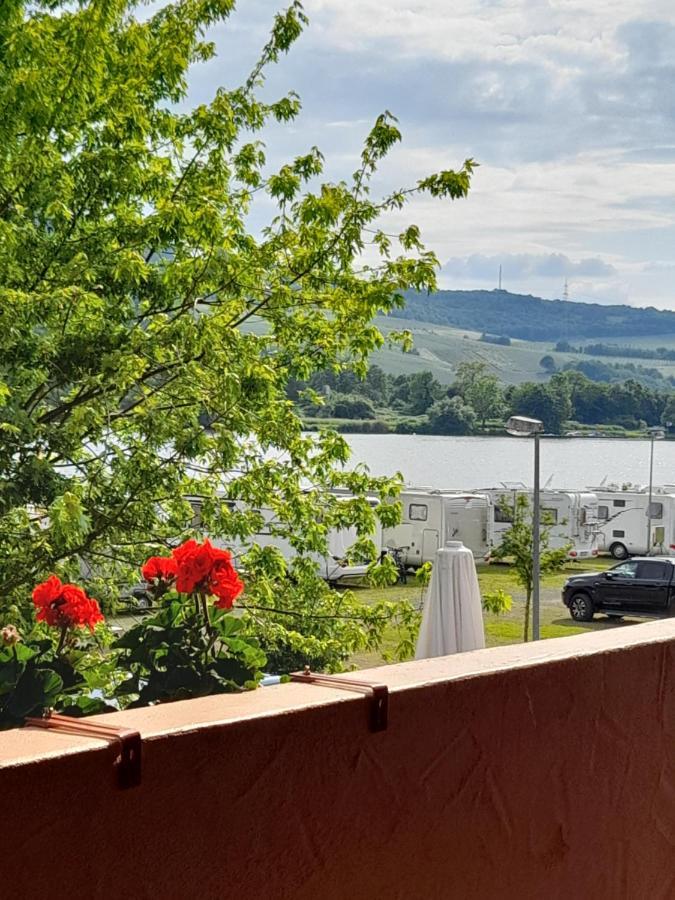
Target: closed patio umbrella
{"points": [[453, 613]]}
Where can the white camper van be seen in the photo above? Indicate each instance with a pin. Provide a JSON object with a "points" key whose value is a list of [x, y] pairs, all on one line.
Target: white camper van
{"points": [[333, 566], [570, 517], [624, 522], [431, 517]]}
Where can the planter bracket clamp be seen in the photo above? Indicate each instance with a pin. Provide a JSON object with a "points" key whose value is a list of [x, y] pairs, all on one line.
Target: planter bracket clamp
{"points": [[127, 762], [378, 693]]}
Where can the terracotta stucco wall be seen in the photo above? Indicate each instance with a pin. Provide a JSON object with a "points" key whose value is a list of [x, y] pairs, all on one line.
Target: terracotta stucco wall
{"points": [[539, 772]]}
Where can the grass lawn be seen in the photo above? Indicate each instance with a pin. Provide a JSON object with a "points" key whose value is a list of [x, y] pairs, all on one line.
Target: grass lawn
{"points": [[555, 620]]}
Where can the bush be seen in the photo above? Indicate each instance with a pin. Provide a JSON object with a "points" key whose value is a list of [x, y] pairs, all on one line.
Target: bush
{"points": [[500, 339], [451, 416], [353, 408]]}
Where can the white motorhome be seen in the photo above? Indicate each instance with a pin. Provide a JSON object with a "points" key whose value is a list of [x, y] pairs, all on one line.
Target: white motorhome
{"points": [[624, 521], [570, 517], [479, 519], [333, 566], [431, 517]]}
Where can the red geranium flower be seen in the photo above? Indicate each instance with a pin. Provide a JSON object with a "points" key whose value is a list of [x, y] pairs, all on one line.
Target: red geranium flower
{"points": [[65, 605], [205, 569], [194, 564], [225, 584], [160, 568]]}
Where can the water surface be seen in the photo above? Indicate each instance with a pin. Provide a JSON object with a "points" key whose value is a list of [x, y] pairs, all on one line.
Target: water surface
{"points": [[475, 462]]}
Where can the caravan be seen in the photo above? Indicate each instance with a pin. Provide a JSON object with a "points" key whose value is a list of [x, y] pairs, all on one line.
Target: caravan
{"points": [[334, 566], [480, 519], [431, 517], [570, 517], [624, 521]]}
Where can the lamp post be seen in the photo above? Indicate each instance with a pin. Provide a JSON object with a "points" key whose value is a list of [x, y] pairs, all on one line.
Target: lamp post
{"points": [[521, 426], [655, 434]]}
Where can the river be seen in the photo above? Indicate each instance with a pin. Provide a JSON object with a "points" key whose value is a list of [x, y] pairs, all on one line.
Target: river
{"points": [[468, 463]]}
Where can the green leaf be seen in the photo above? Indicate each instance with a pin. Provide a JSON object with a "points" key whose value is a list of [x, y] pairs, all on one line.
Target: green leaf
{"points": [[36, 691]]}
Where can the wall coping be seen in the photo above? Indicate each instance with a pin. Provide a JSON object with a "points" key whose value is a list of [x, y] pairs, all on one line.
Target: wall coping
{"points": [[28, 746]]}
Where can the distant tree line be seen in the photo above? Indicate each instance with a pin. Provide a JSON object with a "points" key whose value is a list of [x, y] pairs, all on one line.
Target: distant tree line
{"points": [[534, 319], [615, 373], [600, 349], [477, 398]]}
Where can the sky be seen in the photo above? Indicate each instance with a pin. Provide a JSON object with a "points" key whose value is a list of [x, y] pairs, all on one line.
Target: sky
{"points": [[568, 106]]}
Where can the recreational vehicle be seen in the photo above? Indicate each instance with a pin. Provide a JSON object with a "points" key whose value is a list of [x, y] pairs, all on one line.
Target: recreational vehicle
{"points": [[624, 520], [480, 519], [570, 517], [334, 566], [431, 517]]}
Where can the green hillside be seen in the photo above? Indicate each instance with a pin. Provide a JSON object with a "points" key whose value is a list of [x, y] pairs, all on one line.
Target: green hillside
{"points": [[439, 348], [534, 319]]}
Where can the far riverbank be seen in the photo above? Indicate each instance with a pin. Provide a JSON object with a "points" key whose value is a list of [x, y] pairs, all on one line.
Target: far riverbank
{"points": [[416, 425]]}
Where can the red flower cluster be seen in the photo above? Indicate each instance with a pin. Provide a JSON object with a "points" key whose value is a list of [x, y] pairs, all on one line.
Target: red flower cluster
{"points": [[205, 569], [160, 569], [65, 605], [198, 569]]}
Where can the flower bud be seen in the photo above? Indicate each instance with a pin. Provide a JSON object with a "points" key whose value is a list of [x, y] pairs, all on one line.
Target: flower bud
{"points": [[10, 636]]}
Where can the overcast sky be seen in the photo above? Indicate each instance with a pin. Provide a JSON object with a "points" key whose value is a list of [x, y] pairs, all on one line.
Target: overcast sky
{"points": [[568, 106]]}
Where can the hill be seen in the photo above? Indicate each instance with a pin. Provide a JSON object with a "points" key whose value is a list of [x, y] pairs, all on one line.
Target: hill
{"points": [[439, 348], [535, 319]]}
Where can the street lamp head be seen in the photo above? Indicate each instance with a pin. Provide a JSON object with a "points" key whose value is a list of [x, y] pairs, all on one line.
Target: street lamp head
{"points": [[521, 426]]}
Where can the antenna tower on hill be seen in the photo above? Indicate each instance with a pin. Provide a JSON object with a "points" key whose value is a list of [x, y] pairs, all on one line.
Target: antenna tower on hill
{"points": [[500, 278], [566, 291]]}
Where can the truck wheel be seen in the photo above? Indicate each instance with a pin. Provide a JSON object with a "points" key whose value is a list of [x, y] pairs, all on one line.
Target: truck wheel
{"points": [[581, 608], [618, 551]]}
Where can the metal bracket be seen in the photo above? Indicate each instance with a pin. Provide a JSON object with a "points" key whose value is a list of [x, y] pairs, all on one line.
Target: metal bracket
{"points": [[127, 763], [378, 714]]}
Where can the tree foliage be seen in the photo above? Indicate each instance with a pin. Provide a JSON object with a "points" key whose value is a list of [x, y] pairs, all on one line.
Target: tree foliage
{"points": [[535, 319], [480, 389], [451, 415], [551, 402], [569, 397], [147, 335], [517, 546]]}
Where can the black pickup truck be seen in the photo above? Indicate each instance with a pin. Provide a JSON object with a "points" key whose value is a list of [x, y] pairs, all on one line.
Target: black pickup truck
{"points": [[638, 587]]}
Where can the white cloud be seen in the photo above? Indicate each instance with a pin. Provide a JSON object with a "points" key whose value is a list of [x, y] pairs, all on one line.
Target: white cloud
{"points": [[524, 265], [553, 33], [569, 106]]}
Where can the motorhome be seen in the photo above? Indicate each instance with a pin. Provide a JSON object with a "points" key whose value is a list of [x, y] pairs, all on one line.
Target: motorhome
{"points": [[570, 517], [431, 517], [481, 518], [624, 521], [334, 566]]}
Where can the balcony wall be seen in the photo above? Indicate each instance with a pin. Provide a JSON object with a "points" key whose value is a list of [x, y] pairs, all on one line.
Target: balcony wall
{"points": [[533, 771]]}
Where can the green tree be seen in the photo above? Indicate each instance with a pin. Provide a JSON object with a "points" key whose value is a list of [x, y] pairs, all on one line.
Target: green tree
{"points": [[353, 408], [147, 336], [423, 391], [451, 416], [517, 546], [376, 386], [480, 389], [668, 414], [549, 402], [547, 363]]}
